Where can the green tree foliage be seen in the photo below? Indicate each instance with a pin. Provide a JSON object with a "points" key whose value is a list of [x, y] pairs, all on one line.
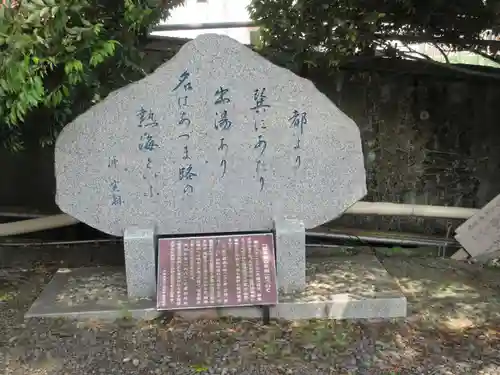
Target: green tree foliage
{"points": [[58, 57], [332, 32]]}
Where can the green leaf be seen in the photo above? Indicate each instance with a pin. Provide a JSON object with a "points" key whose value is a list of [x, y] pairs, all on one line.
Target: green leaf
{"points": [[44, 12], [199, 368], [109, 48], [77, 37], [68, 67], [33, 18], [96, 59]]}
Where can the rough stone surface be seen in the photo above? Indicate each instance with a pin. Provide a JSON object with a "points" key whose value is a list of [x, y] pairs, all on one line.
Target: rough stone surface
{"points": [[140, 262], [112, 173], [480, 235], [461, 254], [290, 254]]}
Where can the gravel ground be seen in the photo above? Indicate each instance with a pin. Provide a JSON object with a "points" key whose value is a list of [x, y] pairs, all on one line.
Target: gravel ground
{"points": [[453, 328]]}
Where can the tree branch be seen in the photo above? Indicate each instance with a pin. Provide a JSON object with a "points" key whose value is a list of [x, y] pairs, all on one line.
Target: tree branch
{"points": [[446, 59], [436, 39], [486, 56], [454, 67], [427, 57]]}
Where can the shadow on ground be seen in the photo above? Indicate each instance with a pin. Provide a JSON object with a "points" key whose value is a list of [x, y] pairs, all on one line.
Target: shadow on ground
{"points": [[453, 328]]}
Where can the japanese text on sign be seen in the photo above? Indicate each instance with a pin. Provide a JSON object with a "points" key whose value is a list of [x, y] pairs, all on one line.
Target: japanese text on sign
{"points": [[217, 271]]}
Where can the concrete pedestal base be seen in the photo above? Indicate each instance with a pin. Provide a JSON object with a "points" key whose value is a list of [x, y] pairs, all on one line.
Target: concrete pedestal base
{"points": [[351, 287], [90, 293]]}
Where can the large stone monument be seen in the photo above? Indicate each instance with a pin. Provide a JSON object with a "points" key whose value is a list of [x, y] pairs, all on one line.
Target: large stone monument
{"points": [[217, 140]]}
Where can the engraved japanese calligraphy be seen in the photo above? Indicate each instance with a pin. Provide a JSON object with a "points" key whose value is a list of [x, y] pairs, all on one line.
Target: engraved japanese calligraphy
{"points": [[147, 144], [222, 123], [298, 121], [206, 144], [186, 172], [259, 107]]}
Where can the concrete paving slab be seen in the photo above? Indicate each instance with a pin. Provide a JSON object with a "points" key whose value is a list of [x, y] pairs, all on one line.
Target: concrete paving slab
{"points": [[347, 287], [90, 292]]}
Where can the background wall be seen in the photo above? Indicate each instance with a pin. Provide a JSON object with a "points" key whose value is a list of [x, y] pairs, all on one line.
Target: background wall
{"points": [[429, 138], [27, 180]]}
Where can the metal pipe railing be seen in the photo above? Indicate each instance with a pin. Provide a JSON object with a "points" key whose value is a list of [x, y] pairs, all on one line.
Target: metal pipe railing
{"points": [[353, 237], [359, 208], [384, 239]]}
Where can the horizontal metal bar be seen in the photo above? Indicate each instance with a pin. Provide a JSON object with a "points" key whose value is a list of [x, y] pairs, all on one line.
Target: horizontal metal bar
{"points": [[383, 238], [60, 243], [386, 239], [20, 215], [204, 26]]}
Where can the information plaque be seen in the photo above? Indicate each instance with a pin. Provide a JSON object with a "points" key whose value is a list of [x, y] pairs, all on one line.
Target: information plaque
{"points": [[216, 271]]}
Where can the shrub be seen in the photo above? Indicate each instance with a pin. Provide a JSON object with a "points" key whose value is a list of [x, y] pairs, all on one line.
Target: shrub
{"points": [[329, 33], [59, 57]]}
